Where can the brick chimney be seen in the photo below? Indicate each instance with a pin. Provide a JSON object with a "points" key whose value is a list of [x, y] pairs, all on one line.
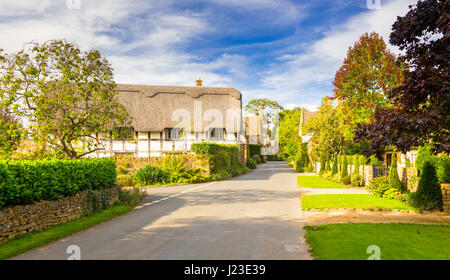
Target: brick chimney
{"points": [[199, 82]]}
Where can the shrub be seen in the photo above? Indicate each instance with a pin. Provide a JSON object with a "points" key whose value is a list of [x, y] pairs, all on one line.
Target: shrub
{"points": [[326, 175], [257, 159], [443, 170], [327, 163], [378, 186], [373, 160], [428, 195], [345, 180], [251, 163], [392, 194], [26, 182], [222, 161], [394, 180], [334, 168], [125, 180], [424, 155], [322, 164], [263, 159], [221, 175], [149, 175], [130, 197], [336, 178], [344, 171], [238, 169], [356, 180]]}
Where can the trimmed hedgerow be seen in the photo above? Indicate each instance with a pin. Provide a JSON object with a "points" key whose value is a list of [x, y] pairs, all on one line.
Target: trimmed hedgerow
{"points": [[25, 182]]}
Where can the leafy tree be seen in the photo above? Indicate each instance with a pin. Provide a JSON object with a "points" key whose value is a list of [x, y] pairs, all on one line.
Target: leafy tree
{"points": [[327, 163], [394, 180], [328, 130], [369, 71], [255, 105], [428, 195], [420, 111], [10, 132], [289, 138], [67, 96]]}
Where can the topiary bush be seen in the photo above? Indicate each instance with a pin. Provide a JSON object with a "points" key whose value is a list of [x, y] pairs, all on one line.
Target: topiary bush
{"points": [[346, 180], [149, 175], [394, 180], [344, 171], [428, 195], [334, 168]]}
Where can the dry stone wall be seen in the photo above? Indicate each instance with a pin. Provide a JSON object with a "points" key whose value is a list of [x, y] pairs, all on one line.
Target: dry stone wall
{"points": [[21, 219]]}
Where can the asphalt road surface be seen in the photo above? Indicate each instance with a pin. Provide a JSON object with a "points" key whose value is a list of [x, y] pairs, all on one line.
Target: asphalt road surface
{"points": [[253, 216]]}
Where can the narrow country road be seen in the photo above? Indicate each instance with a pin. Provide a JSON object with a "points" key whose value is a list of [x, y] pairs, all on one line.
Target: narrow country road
{"points": [[253, 216]]}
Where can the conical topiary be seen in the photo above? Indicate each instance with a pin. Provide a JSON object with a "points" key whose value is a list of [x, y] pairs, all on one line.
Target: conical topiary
{"points": [[344, 172], [428, 195], [327, 163], [334, 168], [322, 164], [394, 180]]}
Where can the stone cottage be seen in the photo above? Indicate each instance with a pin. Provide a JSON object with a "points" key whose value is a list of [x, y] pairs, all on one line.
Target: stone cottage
{"points": [[170, 118]]}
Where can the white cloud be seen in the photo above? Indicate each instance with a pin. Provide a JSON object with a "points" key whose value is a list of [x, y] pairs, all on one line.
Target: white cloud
{"points": [[299, 76]]}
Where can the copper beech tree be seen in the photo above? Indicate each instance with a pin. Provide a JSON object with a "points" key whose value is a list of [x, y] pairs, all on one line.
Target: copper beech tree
{"points": [[420, 111], [65, 95]]}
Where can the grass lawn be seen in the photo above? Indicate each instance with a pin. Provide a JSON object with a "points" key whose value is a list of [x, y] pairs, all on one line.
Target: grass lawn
{"points": [[396, 241], [363, 201], [39, 238], [317, 182]]}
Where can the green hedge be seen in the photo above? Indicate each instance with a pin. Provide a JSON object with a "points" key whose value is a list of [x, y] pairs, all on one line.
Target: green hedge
{"points": [[224, 157], [24, 182]]}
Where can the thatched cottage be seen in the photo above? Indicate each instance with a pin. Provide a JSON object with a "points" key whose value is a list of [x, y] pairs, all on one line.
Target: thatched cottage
{"points": [[170, 118]]}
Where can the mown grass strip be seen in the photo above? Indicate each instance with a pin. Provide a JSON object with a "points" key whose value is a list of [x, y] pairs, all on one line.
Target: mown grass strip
{"points": [[395, 241], [317, 182], [358, 201]]}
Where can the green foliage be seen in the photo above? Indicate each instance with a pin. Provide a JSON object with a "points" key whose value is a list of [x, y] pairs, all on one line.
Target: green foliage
{"points": [[222, 161], [428, 195], [10, 133], [334, 168], [130, 197], [394, 180], [25, 182], [302, 159], [288, 133], [322, 164], [251, 163], [423, 155], [254, 150], [238, 169], [96, 201], [255, 105], [344, 171], [125, 180], [443, 170], [327, 163], [346, 180], [221, 175], [257, 159], [149, 175], [66, 95], [356, 180], [176, 171], [378, 186], [373, 160]]}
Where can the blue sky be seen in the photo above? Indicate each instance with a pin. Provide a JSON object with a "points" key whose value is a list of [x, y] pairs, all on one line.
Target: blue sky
{"points": [[281, 50]]}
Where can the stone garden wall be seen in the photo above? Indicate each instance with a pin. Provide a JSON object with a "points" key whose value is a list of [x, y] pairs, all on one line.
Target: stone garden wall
{"points": [[20, 219]]}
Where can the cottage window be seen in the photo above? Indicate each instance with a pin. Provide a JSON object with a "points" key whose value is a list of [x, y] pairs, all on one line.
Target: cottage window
{"points": [[123, 133], [216, 133], [174, 133]]}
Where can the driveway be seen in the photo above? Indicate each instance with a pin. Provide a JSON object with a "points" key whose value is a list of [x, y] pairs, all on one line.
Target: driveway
{"points": [[253, 216]]}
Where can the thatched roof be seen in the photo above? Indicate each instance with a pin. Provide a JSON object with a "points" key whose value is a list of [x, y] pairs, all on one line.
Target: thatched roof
{"points": [[151, 107]]}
